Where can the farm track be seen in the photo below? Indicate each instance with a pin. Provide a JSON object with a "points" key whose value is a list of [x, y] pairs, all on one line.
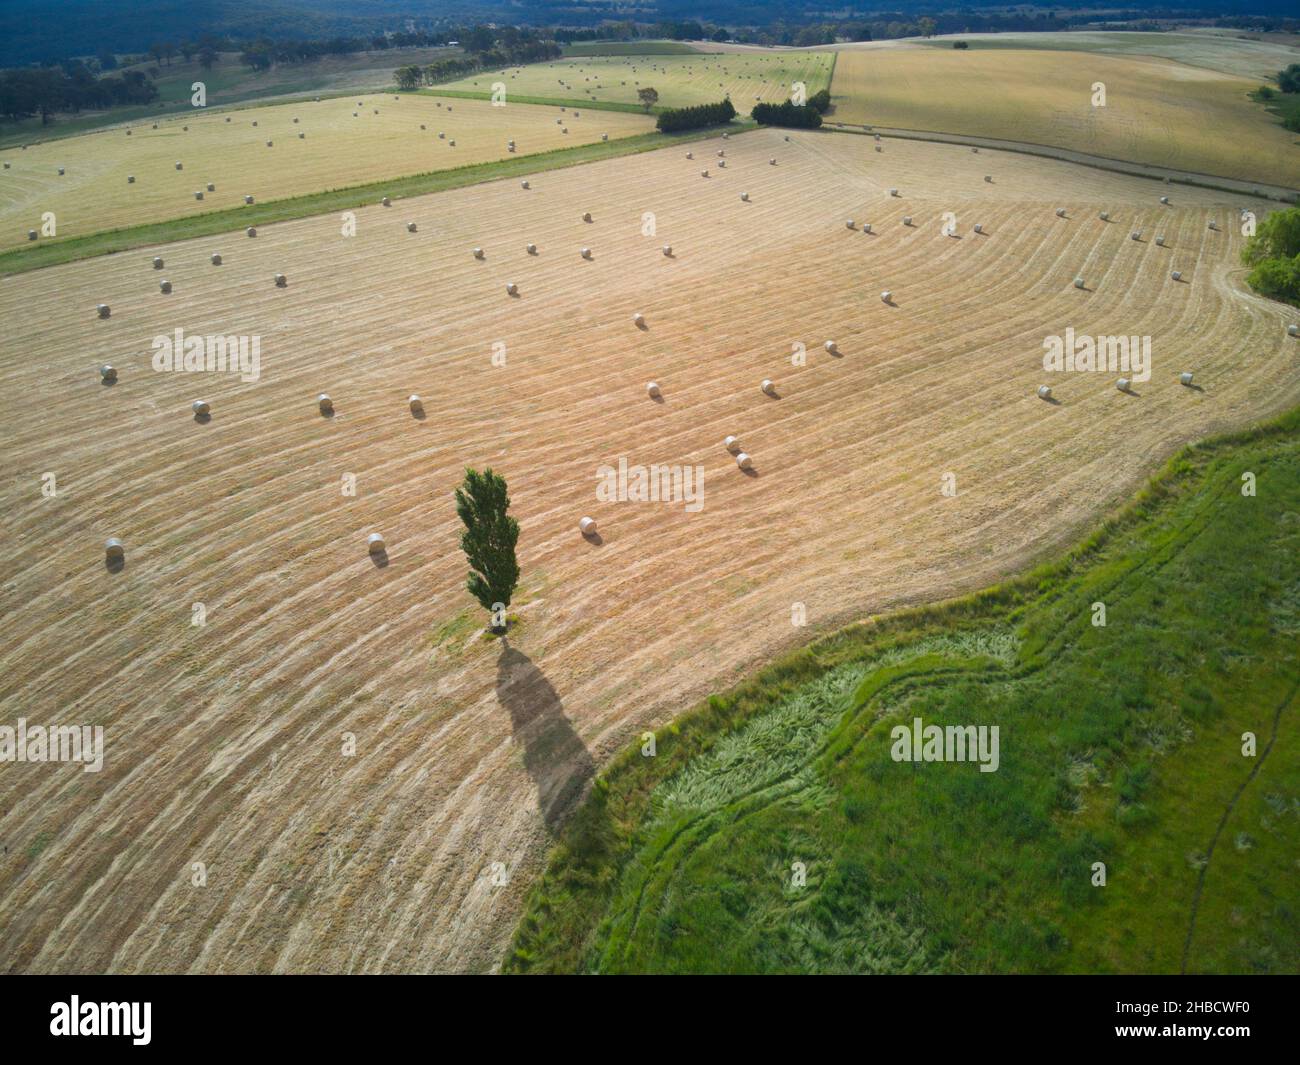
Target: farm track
{"points": [[224, 742]]}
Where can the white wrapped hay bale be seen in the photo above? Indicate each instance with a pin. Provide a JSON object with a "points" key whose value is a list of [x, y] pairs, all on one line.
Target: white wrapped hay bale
{"points": [[281, 281], [415, 403], [704, 172], [1177, 275], [638, 319], [216, 258], [179, 166], [907, 219], [866, 227], [1164, 200], [251, 231], [653, 390], [979, 227], [1160, 240], [164, 287], [212, 186], [386, 202], [411, 227], [772, 161], [1078, 283], [769, 387], [586, 216], [732, 444], [1123, 384], [375, 544], [1293, 330], [744, 196], [478, 253], [586, 253], [525, 184], [587, 526], [325, 403], [722, 164], [512, 289], [690, 155], [102, 310], [108, 372], [531, 249], [1213, 224], [744, 461], [668, 250], [1184, 379], [893, 192], [200, 407], [1135, 235], [849, 223], [248, 199], [886, 296], [114, 550], [1060, 212], [157, 262], [1104, 216], [1044, 391], [831, 346], [198, 194]]}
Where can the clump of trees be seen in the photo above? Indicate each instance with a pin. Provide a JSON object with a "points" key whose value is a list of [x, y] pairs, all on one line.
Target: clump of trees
{"points": [[787, 114], [1274, 255], [679, 118], [489, 539], [45, 91], [820, 101]]}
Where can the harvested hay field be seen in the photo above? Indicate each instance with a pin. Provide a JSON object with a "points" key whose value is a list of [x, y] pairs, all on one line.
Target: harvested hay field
{"points": [[228, 743], [1157, 111], [680, 80], [337, 150]]}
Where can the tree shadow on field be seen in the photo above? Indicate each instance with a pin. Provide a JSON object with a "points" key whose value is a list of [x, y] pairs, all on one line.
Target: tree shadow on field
{"points": [[555, 757]]}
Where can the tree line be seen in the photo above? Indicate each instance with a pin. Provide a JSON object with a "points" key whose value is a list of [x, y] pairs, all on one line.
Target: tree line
{"points": [[26, 92]]}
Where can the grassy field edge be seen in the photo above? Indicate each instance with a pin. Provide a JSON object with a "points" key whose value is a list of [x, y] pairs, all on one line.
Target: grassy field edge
{"points": [[567, 904]]}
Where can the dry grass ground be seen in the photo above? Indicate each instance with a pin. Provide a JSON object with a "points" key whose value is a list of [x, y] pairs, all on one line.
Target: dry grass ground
{"points": [[1158, 112], [225, 743], [337, 150], [680, 80]]}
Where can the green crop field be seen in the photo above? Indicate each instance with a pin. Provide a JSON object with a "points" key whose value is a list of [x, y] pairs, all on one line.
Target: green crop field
{"points": [[680, 80], [1120, 743]]}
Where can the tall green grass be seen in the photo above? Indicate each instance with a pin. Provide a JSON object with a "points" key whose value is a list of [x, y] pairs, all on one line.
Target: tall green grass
{"points": [[1120, 744]]}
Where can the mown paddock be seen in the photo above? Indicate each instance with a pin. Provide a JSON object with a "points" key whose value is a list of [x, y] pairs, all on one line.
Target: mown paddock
{"points": [[336, 150], [680, 80], [225, 741], [1157, 111]]}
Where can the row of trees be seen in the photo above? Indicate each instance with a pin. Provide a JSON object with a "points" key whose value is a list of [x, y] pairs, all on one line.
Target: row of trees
{"points": [[679, 118], [787, 114], [452, 67], [29, 91]]}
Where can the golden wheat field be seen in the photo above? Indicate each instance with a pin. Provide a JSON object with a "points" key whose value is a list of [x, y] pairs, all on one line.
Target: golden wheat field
{"points": [[1156, 111], [345, 141], [368, 781], [680, 80]]}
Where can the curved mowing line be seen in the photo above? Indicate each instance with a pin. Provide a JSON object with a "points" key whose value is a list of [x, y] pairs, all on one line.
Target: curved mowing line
{"points": [[1223, 821]]}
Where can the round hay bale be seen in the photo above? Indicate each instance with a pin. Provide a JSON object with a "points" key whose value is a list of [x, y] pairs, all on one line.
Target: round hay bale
{"points": [[250, 231], [725, 136], [1044, 391], [744, 196], [886, 296], [768, 386], [157, 263], [375, 544], [604, 136], [586, 253], [216, 258], [653, 390], [179, 166], [1213, 224], [704, 172], [1293, 330], [325, 403], [415, 403], [102, 309], [787, 136], [586, 216], [721, 152], [478, 253], [907, 219], [61, 171], [979, 227], [866, 227], [1184, 379], [731, 443], [587, 526], [668, 250], [198, 194], [1160, 239], [130, 179], [269, 143], [512, 289], [248, 199], [531, 249], [422, 126], [690, 155], [200, 407], [451, 143], [1060, 212], [975, 151], [302, 136], [1123, 384], [1078, 283], [442, 136], [295, 121], [893, 192], [1177, 275], [254, 122], [114, 550], [164, 287], [524, 184], [411, 227], [212, 187], [108, 372], [744, 461], [831, 346], [772, 161], [1164, 200], [849, 223], [281, 281], [1104, 216], [1135, 235], [638, 319], [386, 202]]}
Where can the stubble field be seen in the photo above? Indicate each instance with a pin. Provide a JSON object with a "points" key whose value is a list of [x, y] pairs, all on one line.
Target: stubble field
{"points": [[337, 150], [227, 743]]}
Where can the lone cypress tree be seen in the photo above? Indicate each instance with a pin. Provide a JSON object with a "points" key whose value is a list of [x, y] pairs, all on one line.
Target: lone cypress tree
{"points": [[489, 542]]}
